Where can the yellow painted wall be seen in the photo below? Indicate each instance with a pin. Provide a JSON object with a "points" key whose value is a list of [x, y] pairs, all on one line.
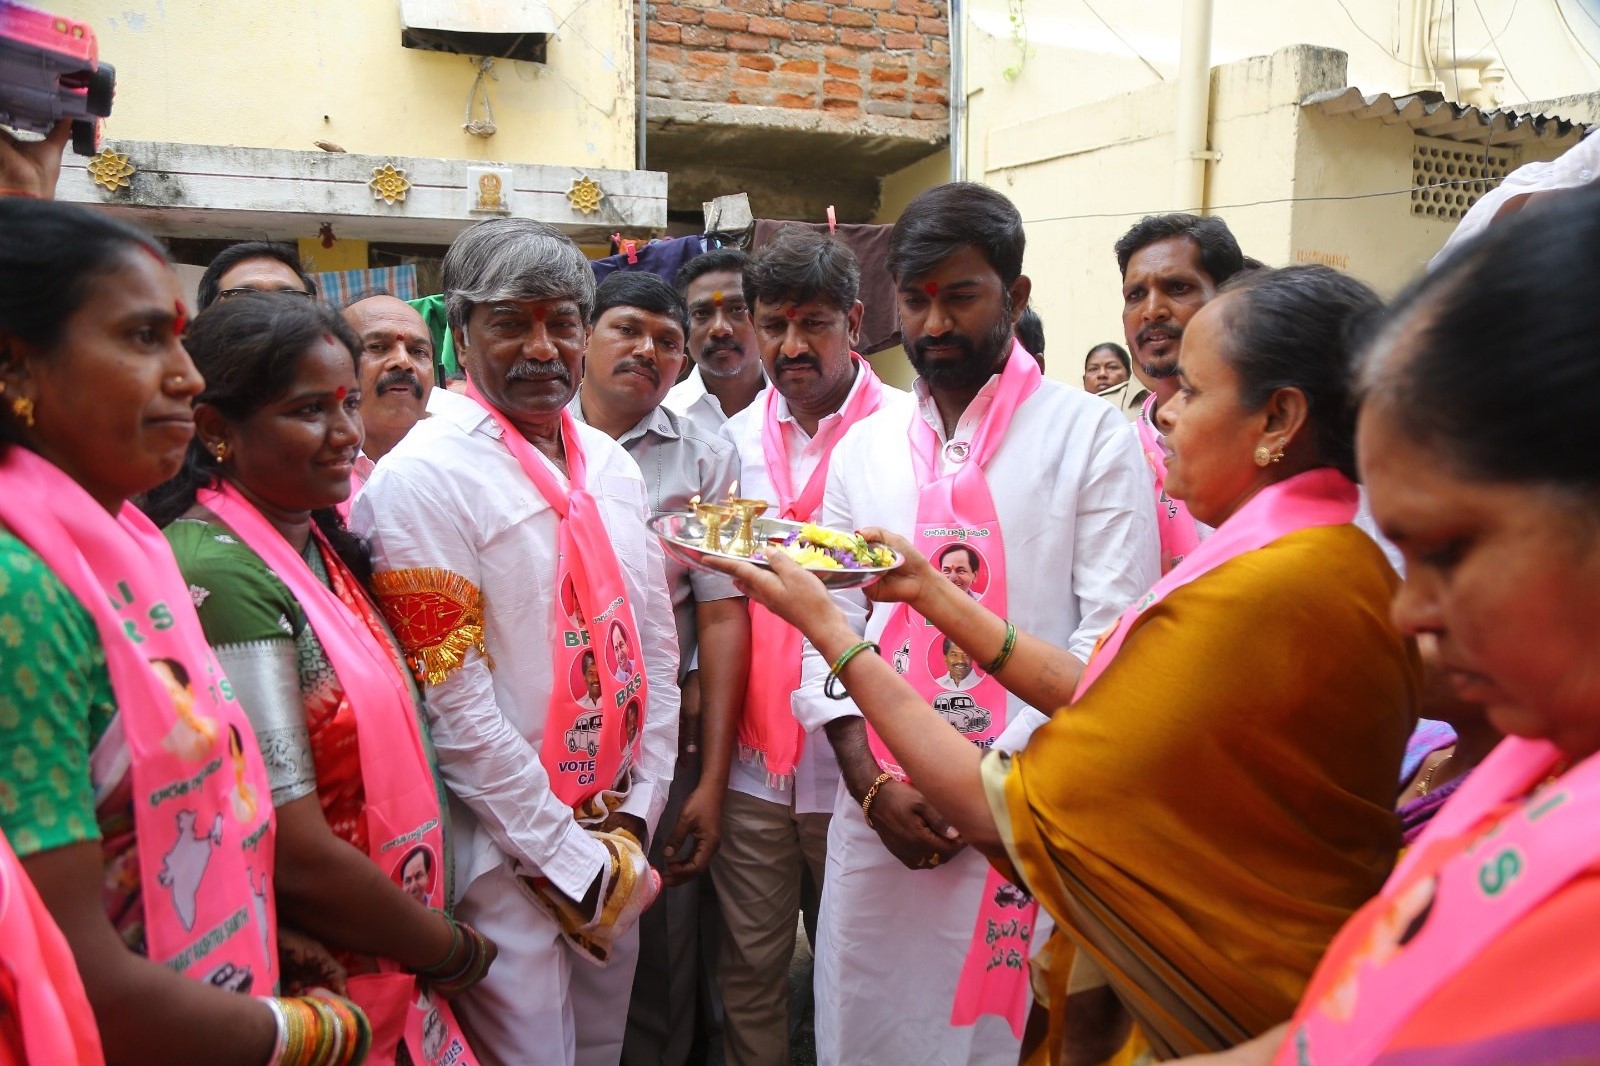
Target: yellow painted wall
{"points": [[901, 187], [289, 73]]}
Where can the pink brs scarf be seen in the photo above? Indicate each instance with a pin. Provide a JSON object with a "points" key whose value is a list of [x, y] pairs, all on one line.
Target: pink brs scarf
{"points": [[1178, 534], [956, 513], [768, 732], [201, 804]]}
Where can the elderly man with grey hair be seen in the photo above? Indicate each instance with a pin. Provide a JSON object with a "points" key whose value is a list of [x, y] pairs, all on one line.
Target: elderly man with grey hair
{"points": [[508, 541]]}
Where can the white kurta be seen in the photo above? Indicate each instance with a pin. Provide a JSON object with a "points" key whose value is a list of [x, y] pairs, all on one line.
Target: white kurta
{"points": [[451, 496], [816, 773], [1072, 492]]}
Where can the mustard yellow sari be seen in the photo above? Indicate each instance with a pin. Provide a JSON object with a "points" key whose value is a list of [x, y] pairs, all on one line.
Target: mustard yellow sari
{"points": [[1209, 812]]}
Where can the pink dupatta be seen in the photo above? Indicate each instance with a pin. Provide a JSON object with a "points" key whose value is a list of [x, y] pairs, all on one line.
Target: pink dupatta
{"points": [[768, 732]]}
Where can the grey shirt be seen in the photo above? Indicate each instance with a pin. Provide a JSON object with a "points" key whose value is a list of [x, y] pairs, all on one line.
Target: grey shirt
{"points": [[680, 459]]}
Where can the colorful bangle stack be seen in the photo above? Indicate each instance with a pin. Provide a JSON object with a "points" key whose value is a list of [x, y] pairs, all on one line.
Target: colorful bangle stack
{"points": [[451, 976], [1006, 649], [872, 794], [317, 1031], [828, 686]]}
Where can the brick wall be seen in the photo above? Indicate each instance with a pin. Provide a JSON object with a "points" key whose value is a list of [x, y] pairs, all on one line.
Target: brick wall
{"points": [[888, 58]]}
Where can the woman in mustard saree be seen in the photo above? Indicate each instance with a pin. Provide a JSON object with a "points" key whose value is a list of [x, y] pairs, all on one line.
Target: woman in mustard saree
{"points": [[1216, 797]]}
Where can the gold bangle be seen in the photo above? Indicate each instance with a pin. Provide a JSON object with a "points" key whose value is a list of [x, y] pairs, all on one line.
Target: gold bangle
{"points": [[872, 794], [1006, 649], [838, 667]]}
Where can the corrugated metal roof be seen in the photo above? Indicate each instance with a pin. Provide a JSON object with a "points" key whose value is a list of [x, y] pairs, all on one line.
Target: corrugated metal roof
{"points": [[1431, 114]]}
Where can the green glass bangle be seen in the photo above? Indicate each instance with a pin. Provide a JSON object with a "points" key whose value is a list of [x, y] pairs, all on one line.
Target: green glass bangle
{"points": [[1006, 649], [829, 686]]}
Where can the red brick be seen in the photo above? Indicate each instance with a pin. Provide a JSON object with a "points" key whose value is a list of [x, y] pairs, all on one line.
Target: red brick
{"points": [[792, 83], [933, 27], [843, 108], [840, 53], [770, 28], [757, 62], [887, 21], [704, 74], [709, 59], [846, 17], [930, 81], [888, 92], [752, 7], [872, 5], [939, 46], [664, 53], [888, 74], [804, 31], [657, 32], [854, 38], [796, 101], [918, 7], [699, 35], [841, 88], [890, 40], [726, 20], [805, 12], [842, 70], [749, 77], [929, 111], [671, 13], [799, 66], [924, 97], [744, 42]]}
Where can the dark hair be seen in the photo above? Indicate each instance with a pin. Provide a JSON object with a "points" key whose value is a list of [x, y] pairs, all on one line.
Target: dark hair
{"points": [[49, 254], [948, 644], [588, 657], [716, 261], [179, 672], [1030, 331], [802, 265], [211, 281], [1520, 294], [1220, 256], [248, 349], [972, 554], [1115, 349], [647, 292], [1299, 327], [427, 858], [947, 218]]}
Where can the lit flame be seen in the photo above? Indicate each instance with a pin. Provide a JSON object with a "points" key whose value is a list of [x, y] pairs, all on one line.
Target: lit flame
{"points": [[733, 490], [694, 501]]}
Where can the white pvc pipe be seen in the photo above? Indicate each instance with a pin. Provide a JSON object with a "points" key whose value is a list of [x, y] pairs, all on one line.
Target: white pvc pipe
{"points": [[1194, 107]]}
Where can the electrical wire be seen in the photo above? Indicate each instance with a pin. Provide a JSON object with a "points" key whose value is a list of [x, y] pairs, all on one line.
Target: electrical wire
{"points": [[1494, 39], [1213, 208], [1113, 30]]}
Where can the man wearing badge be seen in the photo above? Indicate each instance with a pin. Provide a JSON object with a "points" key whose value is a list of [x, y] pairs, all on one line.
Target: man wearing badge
{"points": [[1047, 485], [477, 519]]}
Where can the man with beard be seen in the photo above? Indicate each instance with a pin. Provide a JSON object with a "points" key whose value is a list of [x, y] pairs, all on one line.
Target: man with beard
{"points": [[1172, 265], [476, 519], [1048, 480], [722, 341], [802, 288], [636, 348], [396, 372]]}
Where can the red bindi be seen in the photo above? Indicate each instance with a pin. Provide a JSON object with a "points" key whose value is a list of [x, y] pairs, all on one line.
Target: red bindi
{"points": [[538, 314], [792, 312], [340, 393], [180, 318], [931, 289], [716, 298]]}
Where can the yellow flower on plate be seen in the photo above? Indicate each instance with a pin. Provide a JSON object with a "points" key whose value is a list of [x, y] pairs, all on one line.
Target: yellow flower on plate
{"points": [[828, 538], [813, 558]]}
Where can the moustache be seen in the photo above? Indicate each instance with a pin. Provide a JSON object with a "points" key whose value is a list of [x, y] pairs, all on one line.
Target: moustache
{"points": [[784, 362], [920, 346], [400, 376], [554, 370], [714, 347], [628, 366], [1170, 329]]}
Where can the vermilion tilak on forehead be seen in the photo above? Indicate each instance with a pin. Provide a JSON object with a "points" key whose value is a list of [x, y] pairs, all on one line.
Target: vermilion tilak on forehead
{"points": [[538, 314], [180, 318], [791, 311], [716, 298], [340, 393], [931, 289]]}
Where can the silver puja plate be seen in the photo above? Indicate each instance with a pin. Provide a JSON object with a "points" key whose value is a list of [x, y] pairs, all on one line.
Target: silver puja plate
{"points": [[682, 536]]}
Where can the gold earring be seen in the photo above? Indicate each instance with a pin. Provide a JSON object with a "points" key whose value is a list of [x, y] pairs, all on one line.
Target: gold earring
{"points": [[1264, 457], [221, 450], [1283, 445], [22, 407]]}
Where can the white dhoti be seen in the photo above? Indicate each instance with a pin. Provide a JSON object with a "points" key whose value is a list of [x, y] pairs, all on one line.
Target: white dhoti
{"points": [[542, 1004], [890, 945]]}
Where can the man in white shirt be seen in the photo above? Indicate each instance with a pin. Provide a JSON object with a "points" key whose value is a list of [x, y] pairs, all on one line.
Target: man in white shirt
{"points": [[802, 288], [958, 676], [1073, 536], [396, 371], [727, 372], [466, 547], [1172, 265]]}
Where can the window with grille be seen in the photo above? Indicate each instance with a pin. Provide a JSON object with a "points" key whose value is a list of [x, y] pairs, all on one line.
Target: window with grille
{"points": [[1448, 177]]}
